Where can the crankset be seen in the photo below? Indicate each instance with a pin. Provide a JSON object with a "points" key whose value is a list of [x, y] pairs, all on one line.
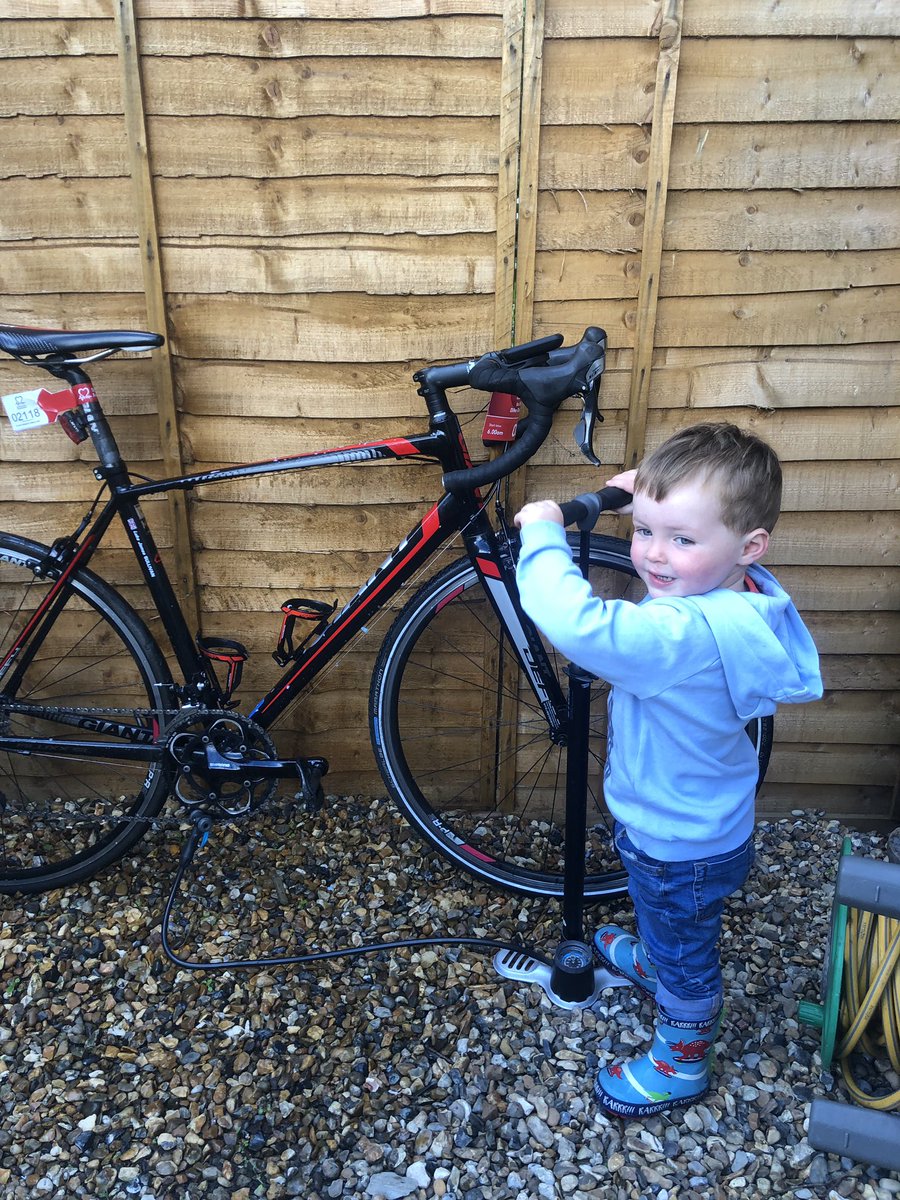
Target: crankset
{"points": [[226, 765]]}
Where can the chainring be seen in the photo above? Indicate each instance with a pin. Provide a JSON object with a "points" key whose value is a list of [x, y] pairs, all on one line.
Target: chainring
{"points": [[195, 738]]}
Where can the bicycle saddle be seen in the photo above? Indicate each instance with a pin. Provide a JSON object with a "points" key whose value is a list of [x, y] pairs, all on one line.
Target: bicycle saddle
{"points": [[21, 340]]}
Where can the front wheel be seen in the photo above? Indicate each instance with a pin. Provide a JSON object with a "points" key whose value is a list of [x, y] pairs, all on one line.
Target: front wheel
{"points": [[76, 662], [465, 749]]}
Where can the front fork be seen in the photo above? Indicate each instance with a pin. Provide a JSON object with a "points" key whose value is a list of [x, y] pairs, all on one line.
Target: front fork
{"points": [[494, 556]]}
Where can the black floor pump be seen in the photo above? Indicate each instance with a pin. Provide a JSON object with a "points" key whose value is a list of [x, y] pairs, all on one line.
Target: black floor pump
{"points": [[573, 980]]}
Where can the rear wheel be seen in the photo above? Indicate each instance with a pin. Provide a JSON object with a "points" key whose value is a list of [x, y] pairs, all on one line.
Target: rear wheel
{"points": [[465, 749], [92, 671]]}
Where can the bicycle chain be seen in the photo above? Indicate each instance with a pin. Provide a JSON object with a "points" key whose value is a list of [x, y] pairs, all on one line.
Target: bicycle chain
{"points": [[37, 709]]}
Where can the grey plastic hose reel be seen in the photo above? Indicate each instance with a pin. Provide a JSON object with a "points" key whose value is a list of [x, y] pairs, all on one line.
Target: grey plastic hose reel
{"points": [[861, 1133]]}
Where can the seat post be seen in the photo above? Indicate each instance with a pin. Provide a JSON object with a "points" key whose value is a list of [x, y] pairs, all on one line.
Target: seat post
{"points": [[98, 427]]}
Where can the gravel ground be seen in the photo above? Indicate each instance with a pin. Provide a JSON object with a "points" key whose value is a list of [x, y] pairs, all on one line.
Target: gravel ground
{"points": [[410, 1073]]}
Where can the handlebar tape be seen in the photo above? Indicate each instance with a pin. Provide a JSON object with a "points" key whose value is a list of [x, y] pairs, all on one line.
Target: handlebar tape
{"points": [[535, 430]]}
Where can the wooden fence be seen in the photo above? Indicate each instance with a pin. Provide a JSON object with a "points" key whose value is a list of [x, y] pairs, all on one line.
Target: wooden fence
{"points": [[315, 199]]}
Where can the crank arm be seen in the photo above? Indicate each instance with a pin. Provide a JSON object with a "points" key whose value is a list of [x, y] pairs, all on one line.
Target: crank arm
{"points": [[215, 764]]}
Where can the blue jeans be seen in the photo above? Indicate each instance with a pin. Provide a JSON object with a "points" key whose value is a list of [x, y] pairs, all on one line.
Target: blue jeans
{"points": [[678, 907]]}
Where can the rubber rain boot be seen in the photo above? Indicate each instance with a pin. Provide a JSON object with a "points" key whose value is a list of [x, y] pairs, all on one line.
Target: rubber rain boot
{"points": [[675, 1073], [626, 955]]}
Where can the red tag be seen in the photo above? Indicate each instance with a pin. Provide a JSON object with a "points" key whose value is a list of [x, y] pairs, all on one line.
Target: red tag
{"points": [[501, 419], [54, 403]]}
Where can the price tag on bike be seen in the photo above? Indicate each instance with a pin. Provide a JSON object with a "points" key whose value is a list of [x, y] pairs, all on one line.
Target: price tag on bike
{"points": [[28, 410]]}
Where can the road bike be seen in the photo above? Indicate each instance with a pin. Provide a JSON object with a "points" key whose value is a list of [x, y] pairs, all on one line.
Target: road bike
{"points": [[100, 725]]}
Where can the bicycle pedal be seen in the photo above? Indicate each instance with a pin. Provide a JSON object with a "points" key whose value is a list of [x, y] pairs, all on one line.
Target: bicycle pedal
{"points": [[311, 772]]}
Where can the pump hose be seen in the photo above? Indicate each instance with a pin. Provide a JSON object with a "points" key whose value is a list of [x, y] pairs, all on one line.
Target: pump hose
{"points": [[871, 996]]}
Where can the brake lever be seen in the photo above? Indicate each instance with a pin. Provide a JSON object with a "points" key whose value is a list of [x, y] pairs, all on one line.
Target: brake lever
{"points": [[590, 414]]}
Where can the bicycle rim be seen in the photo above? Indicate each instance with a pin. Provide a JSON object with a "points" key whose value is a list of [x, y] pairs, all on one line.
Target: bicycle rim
{"points": [[64, 818], [464, 747]]}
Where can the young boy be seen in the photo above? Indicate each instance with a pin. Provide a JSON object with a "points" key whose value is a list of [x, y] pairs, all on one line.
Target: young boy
{"points": [[715, 643]]}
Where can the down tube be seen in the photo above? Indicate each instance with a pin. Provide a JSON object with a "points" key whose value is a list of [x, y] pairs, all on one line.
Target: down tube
{"points": [[441, 522]]}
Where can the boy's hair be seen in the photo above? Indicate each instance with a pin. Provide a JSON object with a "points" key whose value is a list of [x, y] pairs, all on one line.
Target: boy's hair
{"points": [[744, 469]]}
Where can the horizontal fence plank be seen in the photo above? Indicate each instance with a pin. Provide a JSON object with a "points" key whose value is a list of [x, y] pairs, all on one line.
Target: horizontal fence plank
{"points": [[258, 629], [770, 383], [83, 310], [851, 315], [46, 522], [302, 390], [138, 438], [828, 219], [30, 482], [634, 18], [400, 265], [71, 147], [852, 672], [573, 274], [850, 154], [794, 762], [596, 81], [226, 84], [857, 806], [843, 435], [855, 315], [219, 146], [333, 10], [808, 487], [855, 633], [331, 327], [840, 589], [862, 718], [339, 204], [254, 36], [788, 79], [228, 438], [126, 385], [101, 266], [90, 208]]}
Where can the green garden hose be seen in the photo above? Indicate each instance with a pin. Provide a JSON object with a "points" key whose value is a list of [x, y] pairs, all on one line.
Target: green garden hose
{"points": [[861, 995]]}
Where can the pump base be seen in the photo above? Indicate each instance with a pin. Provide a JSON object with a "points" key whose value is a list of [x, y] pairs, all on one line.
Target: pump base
{"points": [[525, 969]]}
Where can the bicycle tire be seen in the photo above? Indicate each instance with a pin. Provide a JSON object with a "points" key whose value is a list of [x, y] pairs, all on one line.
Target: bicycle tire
{"points": [[63, 820], [443, 644]]}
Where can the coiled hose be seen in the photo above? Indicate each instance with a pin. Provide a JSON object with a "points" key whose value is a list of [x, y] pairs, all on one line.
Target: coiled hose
{"points": [[870, 999]]}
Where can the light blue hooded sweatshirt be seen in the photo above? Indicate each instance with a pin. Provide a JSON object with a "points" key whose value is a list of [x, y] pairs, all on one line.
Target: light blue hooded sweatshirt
{"points": [[687, 674]]}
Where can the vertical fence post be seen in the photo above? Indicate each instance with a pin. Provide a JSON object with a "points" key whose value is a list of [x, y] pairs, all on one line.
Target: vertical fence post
{"points": [[520, 128], [145, 207], [529, 154], [654, 225]]}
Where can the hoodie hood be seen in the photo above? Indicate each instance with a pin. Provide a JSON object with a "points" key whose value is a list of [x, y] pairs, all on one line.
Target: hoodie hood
{"points": [[777, 663]]}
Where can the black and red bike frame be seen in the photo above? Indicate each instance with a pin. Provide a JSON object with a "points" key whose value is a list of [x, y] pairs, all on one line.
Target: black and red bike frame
{"points": [[456, 512]]}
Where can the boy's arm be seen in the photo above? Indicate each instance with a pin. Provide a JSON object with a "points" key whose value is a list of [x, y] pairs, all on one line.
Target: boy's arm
{"points": [[640, 648]]}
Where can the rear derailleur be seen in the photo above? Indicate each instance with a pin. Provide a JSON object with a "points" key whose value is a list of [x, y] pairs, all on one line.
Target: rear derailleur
{"points": [[226, 765]]}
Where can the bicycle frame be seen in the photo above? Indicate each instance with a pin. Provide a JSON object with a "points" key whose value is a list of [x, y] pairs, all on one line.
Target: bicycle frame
{"points": [[444, 444]]}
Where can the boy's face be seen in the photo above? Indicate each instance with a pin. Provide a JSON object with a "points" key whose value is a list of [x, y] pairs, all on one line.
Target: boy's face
{"points": [[681, 547]]}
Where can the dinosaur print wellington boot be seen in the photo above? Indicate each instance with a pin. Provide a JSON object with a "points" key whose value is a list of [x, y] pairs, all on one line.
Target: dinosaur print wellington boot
{"points": [[626, 955], [676, 1072]]}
